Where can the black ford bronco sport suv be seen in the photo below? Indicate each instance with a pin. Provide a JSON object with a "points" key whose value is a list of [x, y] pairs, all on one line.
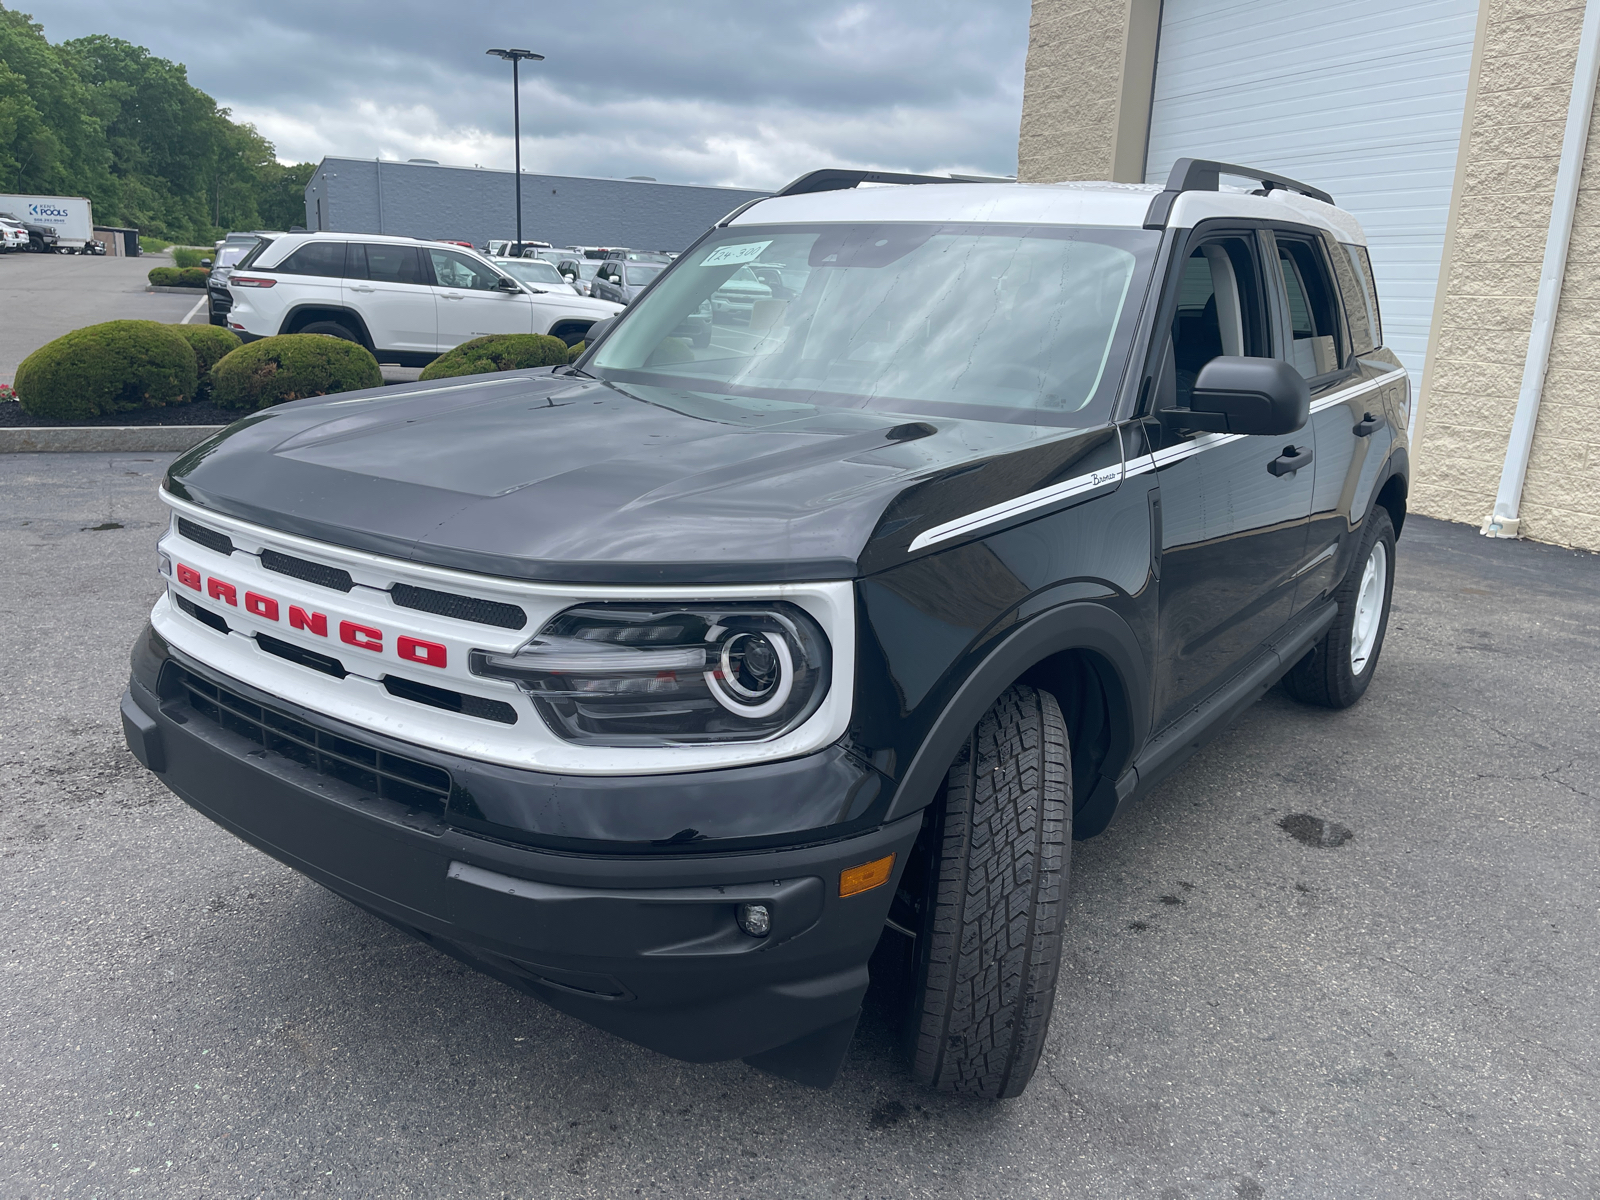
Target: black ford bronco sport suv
{"points": [[667, 685]]}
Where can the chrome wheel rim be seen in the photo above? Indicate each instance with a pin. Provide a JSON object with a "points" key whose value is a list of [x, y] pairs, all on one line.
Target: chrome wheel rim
{"points": [[1369, 608]]}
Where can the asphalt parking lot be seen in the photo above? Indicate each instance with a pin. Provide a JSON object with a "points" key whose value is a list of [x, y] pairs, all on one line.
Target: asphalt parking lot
{"points": [[47, 295], [1341, 955]]}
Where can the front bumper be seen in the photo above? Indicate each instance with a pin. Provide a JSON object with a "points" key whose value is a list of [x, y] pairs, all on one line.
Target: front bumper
{"points": [[644, 945]]}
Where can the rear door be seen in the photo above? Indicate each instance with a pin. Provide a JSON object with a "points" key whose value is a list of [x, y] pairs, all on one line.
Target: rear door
{"points": [[1233, 521], [1334, 322], [469, 302], [387, 285]]}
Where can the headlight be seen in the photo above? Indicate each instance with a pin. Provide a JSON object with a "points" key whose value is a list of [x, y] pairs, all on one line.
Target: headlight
{"points": [[663, 675]]}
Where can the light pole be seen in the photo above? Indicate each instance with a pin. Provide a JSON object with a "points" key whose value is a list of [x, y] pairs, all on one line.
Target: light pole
{"points": [[514, 57]]}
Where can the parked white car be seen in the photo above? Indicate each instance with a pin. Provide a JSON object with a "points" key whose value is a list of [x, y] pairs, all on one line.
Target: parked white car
{"points": [[405, 300], [537, 275], [12, 236]]}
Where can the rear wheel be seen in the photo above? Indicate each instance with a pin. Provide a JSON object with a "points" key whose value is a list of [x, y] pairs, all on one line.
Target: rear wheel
{"points": [[332, 329], [989, 942], [1336, 671]]}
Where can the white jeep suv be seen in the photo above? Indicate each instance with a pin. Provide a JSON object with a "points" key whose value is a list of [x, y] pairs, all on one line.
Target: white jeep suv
{"points": [[407, 301]]}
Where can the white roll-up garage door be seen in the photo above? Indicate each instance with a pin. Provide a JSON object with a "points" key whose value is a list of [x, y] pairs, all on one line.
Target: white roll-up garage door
{"points": [[1362, 98]]}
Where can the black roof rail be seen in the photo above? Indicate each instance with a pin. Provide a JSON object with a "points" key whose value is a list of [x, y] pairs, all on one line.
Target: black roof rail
{"points": [[835, 179], [1203, 175]]}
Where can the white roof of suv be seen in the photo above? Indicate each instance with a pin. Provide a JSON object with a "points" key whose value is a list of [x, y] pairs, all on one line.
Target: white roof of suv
{"points": [[1114, 204]]}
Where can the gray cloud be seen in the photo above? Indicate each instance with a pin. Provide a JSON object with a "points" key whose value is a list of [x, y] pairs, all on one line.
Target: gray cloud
{"points": [[710, 92]]}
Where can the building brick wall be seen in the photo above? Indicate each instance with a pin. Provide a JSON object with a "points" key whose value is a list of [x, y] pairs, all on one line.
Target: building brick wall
{"points": [[1517, 118], [1071, 90]]}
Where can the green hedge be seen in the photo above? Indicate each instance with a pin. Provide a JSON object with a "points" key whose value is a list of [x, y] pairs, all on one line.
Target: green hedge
{"points": [[498, 352], [211, 344], [194, 277], [114, 367], [291, 366], [576, 352], [188, 256]]}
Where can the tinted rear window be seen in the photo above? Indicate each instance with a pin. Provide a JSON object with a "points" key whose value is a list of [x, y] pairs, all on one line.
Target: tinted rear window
{"points": [[314, 258], [385, 263]]}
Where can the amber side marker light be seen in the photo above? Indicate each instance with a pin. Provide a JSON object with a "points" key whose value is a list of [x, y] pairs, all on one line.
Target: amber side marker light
{"points": [[855, 880]]}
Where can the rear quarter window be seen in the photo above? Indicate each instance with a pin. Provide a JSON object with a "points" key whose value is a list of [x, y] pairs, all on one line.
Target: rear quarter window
{"points": [[314, 258], [1353, 270]]}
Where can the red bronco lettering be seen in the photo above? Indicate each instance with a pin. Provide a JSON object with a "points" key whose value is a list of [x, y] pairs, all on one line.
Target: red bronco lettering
{"points": [[366, 637]]}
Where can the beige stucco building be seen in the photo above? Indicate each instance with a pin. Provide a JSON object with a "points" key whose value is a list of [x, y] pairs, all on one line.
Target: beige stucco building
{"points": [[1447, 146]]}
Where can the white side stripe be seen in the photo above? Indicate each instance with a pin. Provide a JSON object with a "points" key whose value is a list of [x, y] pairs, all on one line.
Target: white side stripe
{"points": [[1029, 501], [1019, 504]]}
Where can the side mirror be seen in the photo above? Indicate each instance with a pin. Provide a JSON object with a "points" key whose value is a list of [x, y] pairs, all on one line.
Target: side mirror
{"points": [[205, 262], [598, 330], [1245, 395], [508, 285]]}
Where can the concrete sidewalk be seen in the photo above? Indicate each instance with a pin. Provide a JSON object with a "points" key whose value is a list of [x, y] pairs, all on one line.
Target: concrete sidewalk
{"points": [[1339, 955]]}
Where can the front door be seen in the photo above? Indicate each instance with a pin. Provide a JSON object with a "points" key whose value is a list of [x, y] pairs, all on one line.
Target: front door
{"points": [[1233, 519], [470, 303]]}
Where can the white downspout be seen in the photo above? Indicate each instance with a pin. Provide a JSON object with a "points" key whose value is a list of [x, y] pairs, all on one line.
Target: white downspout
{"points": [[1505, 522]]}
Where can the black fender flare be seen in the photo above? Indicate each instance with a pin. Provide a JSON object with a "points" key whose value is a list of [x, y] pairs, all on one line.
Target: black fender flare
{"points": [[340, 310], [1076, 626]]}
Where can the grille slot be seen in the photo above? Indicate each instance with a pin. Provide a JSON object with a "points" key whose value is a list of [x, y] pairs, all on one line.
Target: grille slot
{"points": [[325, 663], [364, 767], [460, 702], [462, 608], [209, 538], [204, 615], [312, 572]]}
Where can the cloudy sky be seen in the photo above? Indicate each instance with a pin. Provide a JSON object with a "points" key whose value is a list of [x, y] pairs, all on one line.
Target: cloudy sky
{"points": [[713, 91]]}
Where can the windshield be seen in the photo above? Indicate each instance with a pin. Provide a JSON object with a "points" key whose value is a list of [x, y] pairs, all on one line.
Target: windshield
{"points": [[1002, 322], [639, 274], [533, 270]]}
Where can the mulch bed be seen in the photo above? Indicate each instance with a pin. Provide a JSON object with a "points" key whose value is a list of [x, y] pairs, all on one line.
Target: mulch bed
{"points": [[205, 413]]}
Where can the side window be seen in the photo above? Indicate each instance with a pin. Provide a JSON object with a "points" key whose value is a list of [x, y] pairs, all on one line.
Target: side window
{"points": [[314, 258], [1354, 271], [1220, 311], [1313, 333], [393, 264], [458, 271]]}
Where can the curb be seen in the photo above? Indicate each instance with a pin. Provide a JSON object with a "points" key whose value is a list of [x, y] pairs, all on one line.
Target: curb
{"points": [[175, 291], [46, 439]]}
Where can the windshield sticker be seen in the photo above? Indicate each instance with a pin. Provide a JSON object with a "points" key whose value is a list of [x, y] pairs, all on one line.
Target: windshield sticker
{"points": [[732, 256]]}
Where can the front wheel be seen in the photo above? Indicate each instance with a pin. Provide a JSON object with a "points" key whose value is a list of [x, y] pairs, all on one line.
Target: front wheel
{"points": [[1336, 671], [989, 942]]}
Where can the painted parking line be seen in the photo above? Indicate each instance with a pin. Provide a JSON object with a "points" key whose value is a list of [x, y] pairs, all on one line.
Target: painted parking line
{"points": [[195, 311]]}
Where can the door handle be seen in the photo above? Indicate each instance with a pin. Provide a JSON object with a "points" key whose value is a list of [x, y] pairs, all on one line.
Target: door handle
{"points": [[452, 296], [1290, 461], [1368, 425], [363, 289]]}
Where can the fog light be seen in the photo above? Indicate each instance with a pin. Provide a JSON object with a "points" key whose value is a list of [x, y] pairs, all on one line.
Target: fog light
{"points": [[755, 920]]}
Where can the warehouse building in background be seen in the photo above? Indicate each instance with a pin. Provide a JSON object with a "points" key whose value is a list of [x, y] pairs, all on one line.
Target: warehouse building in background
{"points": [[474, 204], [1440, 124]]}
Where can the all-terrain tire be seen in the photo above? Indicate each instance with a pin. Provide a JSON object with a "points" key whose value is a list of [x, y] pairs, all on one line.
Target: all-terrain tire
{"points": [[1329, 675], [989, 948]]}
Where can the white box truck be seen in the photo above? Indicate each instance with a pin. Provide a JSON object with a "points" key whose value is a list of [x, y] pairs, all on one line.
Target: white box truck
{"points": [[72, 217]]}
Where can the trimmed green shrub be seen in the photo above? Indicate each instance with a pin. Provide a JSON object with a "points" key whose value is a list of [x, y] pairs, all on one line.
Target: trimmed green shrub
{"points": [[211, 344], [576, 352], [194, 277], [188, 256], [114, 367], [291, 366], [498, 352]]}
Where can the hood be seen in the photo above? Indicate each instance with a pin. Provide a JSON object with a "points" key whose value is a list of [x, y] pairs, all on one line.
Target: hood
{"points": [[565, 479]]}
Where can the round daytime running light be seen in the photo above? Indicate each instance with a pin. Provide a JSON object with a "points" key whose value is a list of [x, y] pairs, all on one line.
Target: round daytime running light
{"points": [[754, 675]]}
